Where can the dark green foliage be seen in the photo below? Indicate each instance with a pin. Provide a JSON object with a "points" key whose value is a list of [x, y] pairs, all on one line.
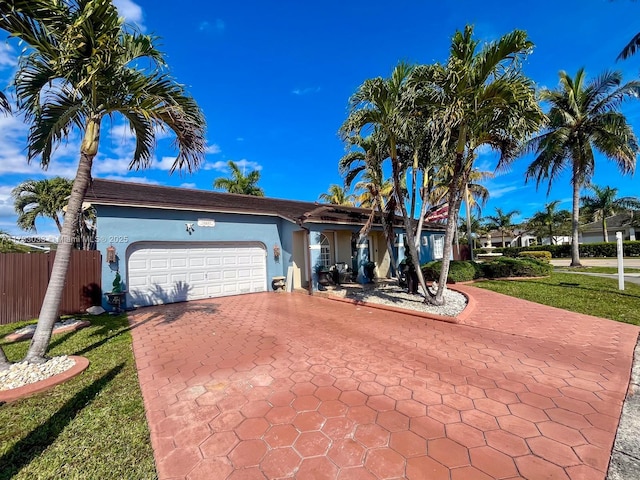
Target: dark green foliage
{"points": [[504, 267], [630, 249], [459, 271], [544, 255]]}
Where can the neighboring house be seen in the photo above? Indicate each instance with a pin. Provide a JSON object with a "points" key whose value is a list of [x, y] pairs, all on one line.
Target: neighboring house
{"points": [[175, 244], [592, 232], [521, 238]]}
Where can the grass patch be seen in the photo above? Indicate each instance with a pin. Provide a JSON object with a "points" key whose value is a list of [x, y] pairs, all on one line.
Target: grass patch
{"points": [[93, 426], [578, 293], [611, 270]]}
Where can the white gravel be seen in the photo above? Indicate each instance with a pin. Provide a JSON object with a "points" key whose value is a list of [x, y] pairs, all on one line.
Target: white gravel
{"points": [[392, 294], [23, 373], [32, 328]]}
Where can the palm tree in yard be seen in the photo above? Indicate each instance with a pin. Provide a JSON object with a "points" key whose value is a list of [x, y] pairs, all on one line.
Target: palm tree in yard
{"points": [[583, 117], [481, 98], [337, 195], [604, 203], [549, 220], [41, 198], [502, 221], [245, 184], [379, 104], [82, 65]]}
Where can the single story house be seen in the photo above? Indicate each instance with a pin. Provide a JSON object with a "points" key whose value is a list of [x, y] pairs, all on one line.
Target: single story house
{"points": [[592, 232], [176, 244]]}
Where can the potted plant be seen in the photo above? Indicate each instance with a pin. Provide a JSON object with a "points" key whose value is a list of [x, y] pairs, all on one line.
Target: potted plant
{"points": [[115, 297]]}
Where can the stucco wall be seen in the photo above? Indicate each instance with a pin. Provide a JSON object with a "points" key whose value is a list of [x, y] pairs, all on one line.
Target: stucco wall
{"points": [[124, 226]]}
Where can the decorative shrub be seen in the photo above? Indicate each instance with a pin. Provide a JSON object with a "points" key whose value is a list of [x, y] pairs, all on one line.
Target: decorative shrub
{"points": [[630, 249], [543, 255], [459, 271], [504, 267]]}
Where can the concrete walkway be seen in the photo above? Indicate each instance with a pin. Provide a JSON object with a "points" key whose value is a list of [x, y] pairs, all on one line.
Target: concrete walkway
{"points": [[273, 386]]}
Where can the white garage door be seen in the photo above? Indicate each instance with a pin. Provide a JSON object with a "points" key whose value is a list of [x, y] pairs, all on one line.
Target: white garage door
{"points": [[163, 272]]}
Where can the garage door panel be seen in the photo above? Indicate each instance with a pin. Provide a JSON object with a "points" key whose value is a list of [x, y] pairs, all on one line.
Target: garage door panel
{"points": [[158, 273]]}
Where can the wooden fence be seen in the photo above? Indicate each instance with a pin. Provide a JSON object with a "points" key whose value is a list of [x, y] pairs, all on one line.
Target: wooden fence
{"points": [[24, 278]]}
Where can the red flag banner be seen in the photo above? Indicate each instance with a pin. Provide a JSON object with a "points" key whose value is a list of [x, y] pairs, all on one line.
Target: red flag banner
{"points": [[440, 213]]}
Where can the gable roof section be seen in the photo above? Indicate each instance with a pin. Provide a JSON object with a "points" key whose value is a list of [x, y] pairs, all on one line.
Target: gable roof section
{"points": [[621, 220], [127, 194]]}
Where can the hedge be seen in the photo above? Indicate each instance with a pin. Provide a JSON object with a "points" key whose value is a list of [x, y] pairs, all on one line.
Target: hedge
{"points": [[543, 255], [501, 267], [629, 248], [504, 267]]}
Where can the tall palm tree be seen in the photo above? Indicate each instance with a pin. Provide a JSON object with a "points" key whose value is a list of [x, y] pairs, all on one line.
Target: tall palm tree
{"points": [[365, 160], [245, 184], [4, 104], [82, 65], [584, 117], [501, 221], [380, 104], [481, 98], [603, 203], [549, 220], [337, 195], [630, 48], [41, 198]]}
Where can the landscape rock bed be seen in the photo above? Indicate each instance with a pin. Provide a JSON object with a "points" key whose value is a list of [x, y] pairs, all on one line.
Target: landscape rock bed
{"points": [[23, 373]]}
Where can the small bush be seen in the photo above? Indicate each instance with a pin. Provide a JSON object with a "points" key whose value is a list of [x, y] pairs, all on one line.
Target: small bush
{"points": [[630, 249], [543, 255], [505, 267], [459, 271]]}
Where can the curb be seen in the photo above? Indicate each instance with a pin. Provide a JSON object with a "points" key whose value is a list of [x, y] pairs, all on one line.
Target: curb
{"points": [[15, 337], [468, 310], [31, 389]]}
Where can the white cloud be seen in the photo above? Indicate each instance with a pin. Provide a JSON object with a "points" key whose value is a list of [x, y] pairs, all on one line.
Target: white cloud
{"points": [[305, 91], [497, 192], [213, 148], [188, 185], [222, 166], [131, 11], [217, 26], [8, 58], [240, 139], [164, 164]]}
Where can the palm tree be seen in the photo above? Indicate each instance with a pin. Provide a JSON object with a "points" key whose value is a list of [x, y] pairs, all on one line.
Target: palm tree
{"points": [[583, 117], [501, 221], [239, 182], [41, 198], [337, 195], [630, 48], [480, 97], [603, 203], [380, 104], [4, 104], [83, 64], [549, 220], [366, 160]]}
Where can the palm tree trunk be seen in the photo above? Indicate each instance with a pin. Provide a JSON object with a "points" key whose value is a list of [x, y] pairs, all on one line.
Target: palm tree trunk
{"points": [[51, 304], [575, 219], [452, 219], [57, 220], [408, 227], [387, 232], [4, 362], [414, 179], [503, 245], [605, 234]]}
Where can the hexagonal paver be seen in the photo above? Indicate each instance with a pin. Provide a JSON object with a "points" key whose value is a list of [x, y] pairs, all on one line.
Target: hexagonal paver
{"points": [[506, 442], [518, 426], [318, 468], [281, 436], [308, 421], [420, 468], [531, 466], [393, 421], [372, 436], [492, 462], [465, 435], [305, 403], [280, 463], [346, 453], [353, 398], [427, 427], [408, 444], [381, 403], [252, 428], [385, 463], [248, 453], [312, 444], [448, 452], [553, 451]]}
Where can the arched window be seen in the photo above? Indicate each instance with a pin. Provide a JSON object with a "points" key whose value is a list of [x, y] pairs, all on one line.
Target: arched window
{"points": [[325, 251]]}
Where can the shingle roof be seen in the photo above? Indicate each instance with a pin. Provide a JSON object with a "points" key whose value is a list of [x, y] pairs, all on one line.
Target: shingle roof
{"points": [[118, 193]]}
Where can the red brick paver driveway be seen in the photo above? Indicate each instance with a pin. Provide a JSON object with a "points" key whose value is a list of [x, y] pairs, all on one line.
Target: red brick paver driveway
{"points": [[289, 386]]}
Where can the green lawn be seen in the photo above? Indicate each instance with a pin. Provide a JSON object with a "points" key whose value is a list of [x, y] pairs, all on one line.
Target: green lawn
{"points": [[612, 270], [578, 293], [92, 426]]}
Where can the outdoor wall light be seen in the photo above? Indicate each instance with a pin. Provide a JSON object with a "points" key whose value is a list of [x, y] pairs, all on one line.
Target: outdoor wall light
{"points": [[276, 252], [111, 254], [189, 228]]}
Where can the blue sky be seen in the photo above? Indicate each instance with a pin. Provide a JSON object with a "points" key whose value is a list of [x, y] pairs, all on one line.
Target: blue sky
{"points": [[274, 79]]}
